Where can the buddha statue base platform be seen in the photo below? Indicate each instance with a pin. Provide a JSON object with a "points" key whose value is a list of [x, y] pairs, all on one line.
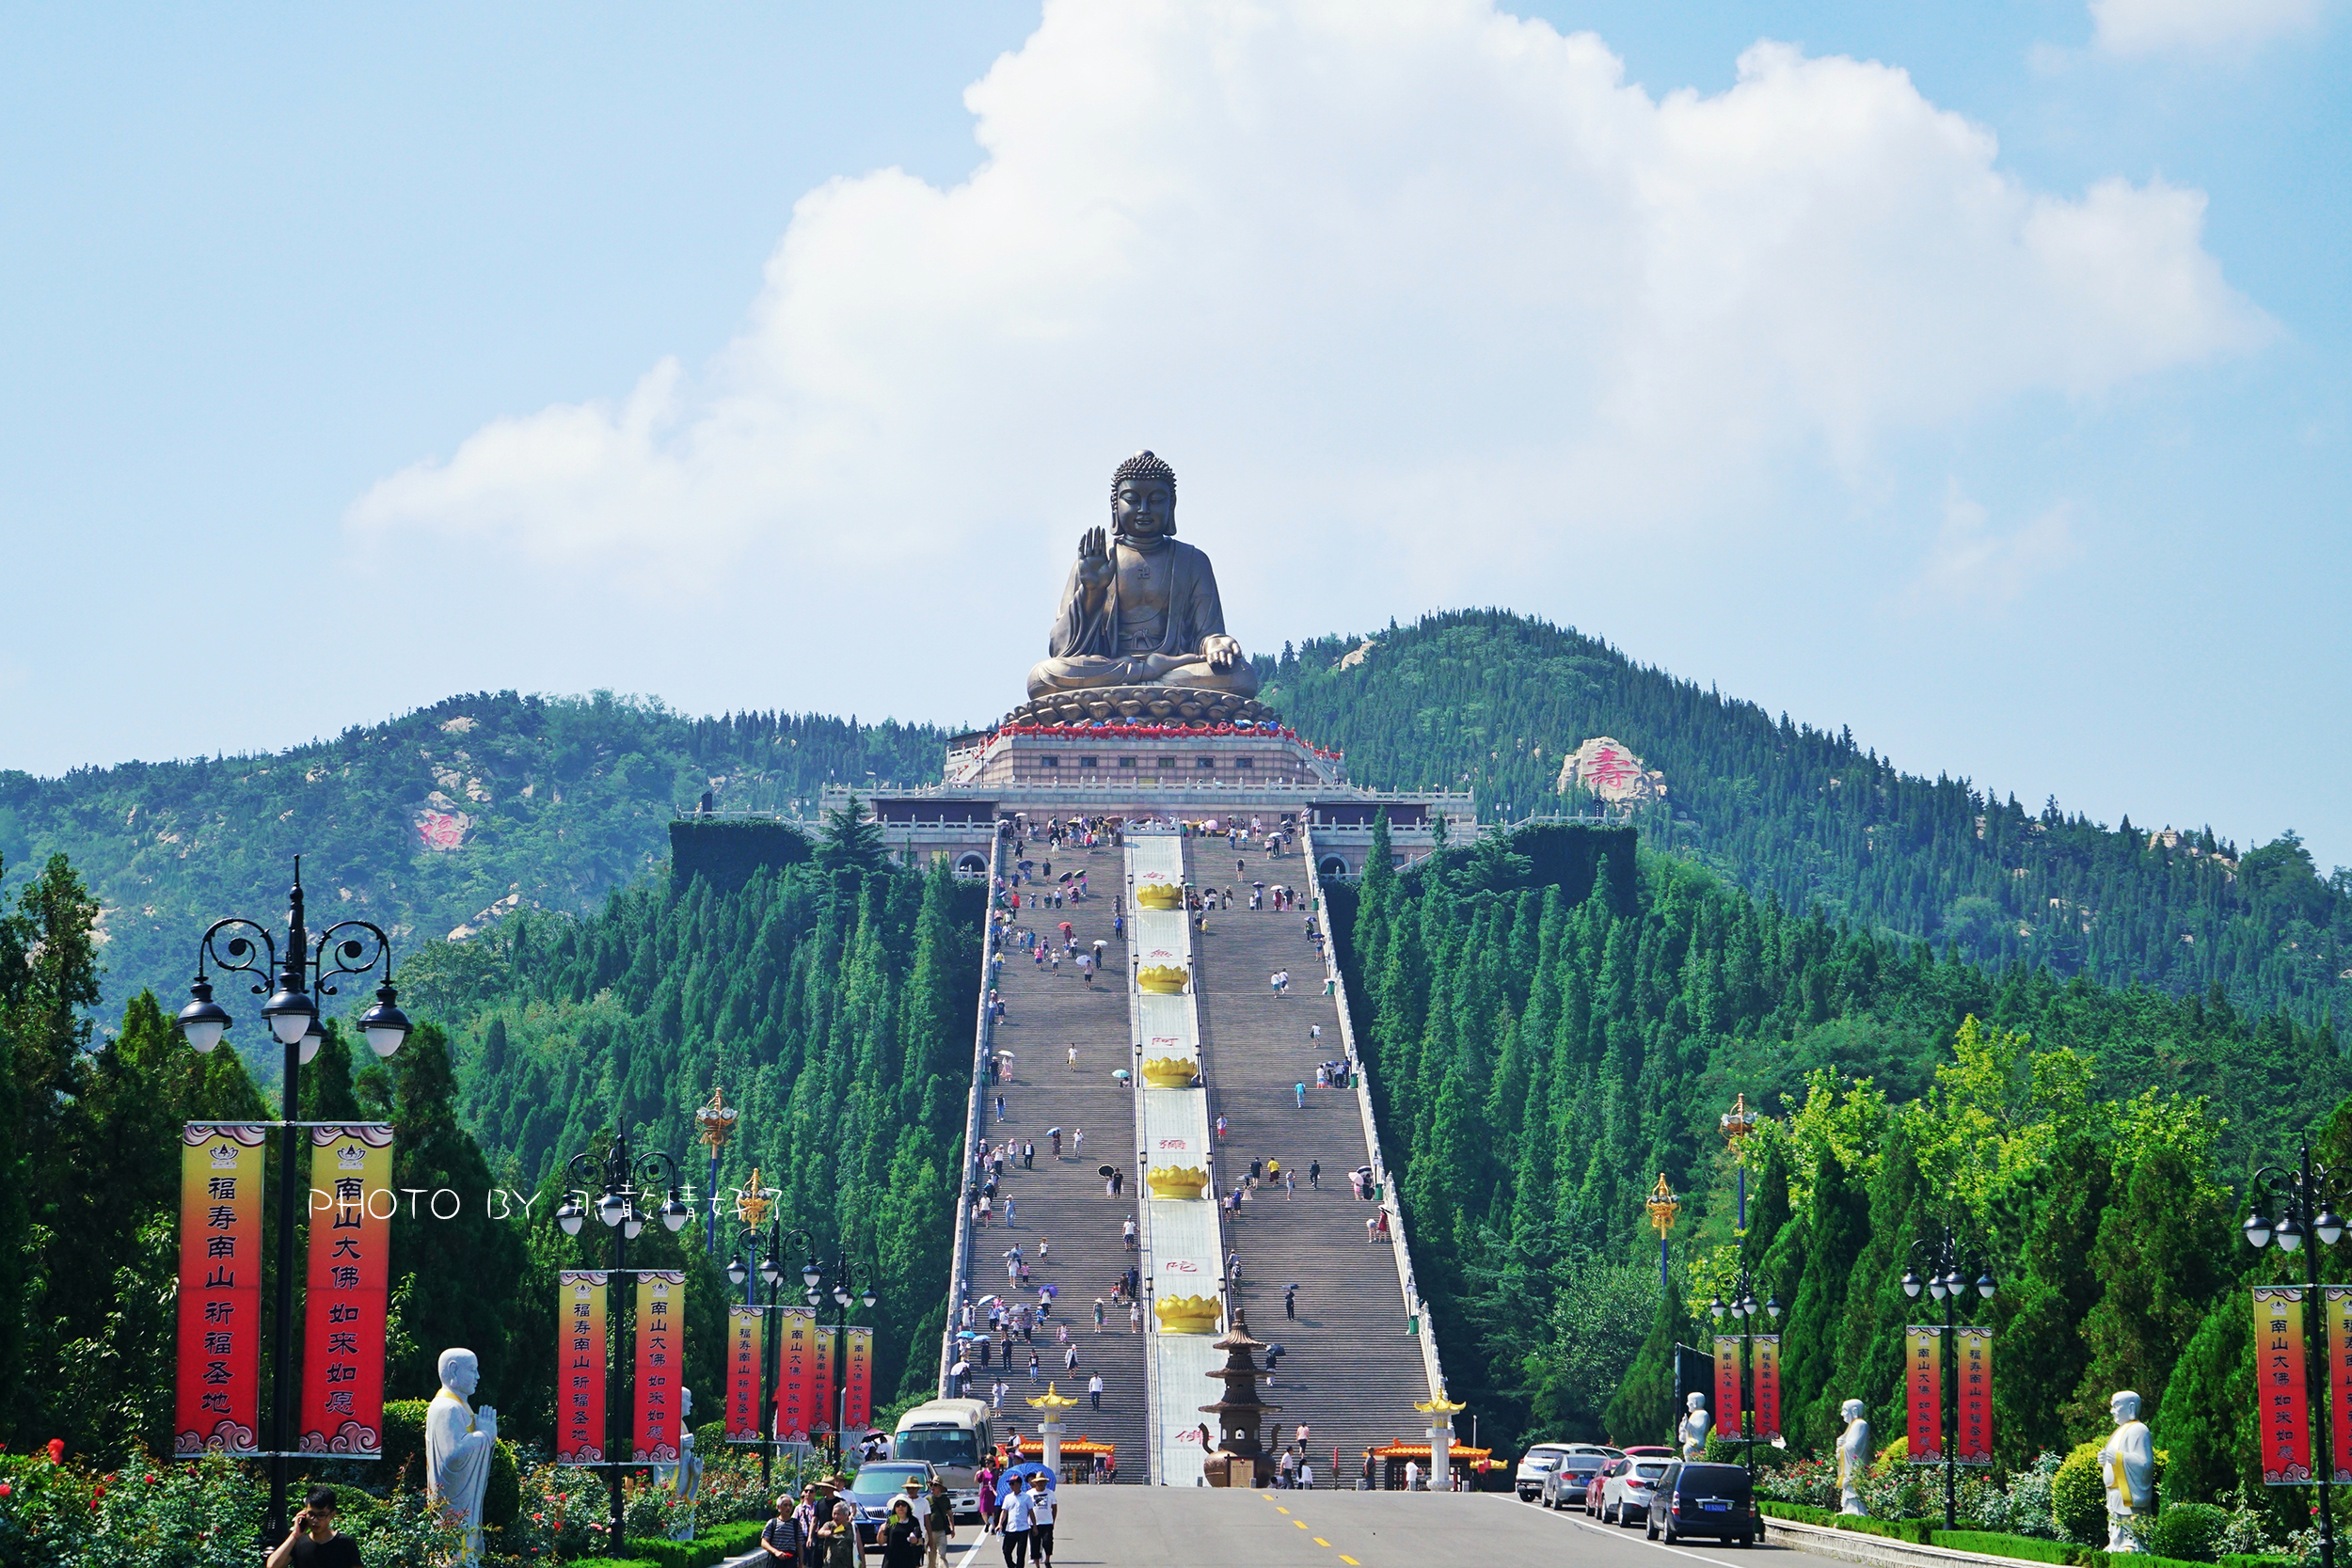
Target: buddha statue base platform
{"points": [[1193, 707]]}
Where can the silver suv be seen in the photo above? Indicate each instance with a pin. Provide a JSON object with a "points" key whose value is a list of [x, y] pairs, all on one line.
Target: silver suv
{"points": [[1577, 1470]]}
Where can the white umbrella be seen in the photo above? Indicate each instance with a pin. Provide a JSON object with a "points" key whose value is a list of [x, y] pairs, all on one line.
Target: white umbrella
{"points": [[959, 1368]]}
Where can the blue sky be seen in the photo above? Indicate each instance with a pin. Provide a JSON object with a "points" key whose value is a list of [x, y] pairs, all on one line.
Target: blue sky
{"points": [[1971, 375]]}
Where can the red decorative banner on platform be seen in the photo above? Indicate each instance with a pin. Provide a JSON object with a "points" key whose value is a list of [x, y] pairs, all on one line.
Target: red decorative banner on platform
{"points": [[1768, 1387], [858, 1412], [1923, 1391], [351, 1234], [795, 1342], [580, 1367], [1974, 1444], [220, 1290], [660, 1354], [823, 1392], [2338, 1299], [2280, 1391], [1727, 1386], [745, 1331]]}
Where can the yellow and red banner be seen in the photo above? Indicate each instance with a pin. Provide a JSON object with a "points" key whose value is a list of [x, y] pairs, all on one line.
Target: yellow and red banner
{"points": [[580, 1367], [2338, 1300], [746, 1330], [796, 1344], [351, 1232], [661, 1363], [1766, 1387], [823, 1393], [2280, 1392], [220, 1289], [858, 1411], [1727, 1386], [1973, 1443], [1923, 1391]]}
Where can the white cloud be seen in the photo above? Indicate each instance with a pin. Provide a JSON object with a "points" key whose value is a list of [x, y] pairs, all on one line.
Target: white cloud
{"points": [[1974, 568], [1421, 276], [2152, 27]]}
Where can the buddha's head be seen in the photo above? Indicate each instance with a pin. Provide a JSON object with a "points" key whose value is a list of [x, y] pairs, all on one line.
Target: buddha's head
{"points": [[1143, 499], [2125, 1407], [1850, 1410]]}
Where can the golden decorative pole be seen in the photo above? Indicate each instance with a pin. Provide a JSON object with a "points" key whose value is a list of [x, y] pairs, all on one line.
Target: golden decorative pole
{"points": [[1052, 1402], [1441, 1412], [1663, 1206], [714, 1124], [1737, 1124]]}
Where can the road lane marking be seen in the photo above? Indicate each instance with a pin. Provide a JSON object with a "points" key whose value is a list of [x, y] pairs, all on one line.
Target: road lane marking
{"points": [[1321, 1541], [1350, 1561], [1280, 1509], [1300, 1523]]}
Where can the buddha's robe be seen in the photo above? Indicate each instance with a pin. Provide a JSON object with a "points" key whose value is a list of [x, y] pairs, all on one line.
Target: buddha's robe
{"points": [[1149, 630]]}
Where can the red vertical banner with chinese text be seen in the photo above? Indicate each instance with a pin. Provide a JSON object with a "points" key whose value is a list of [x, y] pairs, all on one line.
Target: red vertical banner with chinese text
{"points": [[351, 1234], [796, 1348], [822, 1390], [661, 1356], [1923, 1391], [219, 1404], [746, 1327], [2279, 1389], [1766, 1387], [858, 1382], [580, 1367], [1973, 1443], [1726, 1386], [2338, 1301]]}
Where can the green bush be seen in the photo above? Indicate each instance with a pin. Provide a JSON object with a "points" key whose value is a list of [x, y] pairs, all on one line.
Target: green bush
{"points": [[2078, 1498], [2190, 1531], [502, 1493], [1914, 1530], [1996, 1544], [353, 1504], [734, 1540], [403, 1441], [612, 1562]]}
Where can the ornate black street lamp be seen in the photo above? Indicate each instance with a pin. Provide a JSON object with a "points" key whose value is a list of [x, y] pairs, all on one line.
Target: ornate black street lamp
{"points": [[1948, 1281], [354, 947], [775, 1241], [625, 1185], [2305, 1198], [1742, 1306]]}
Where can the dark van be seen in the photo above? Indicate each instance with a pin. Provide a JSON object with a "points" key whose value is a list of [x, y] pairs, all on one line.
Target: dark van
{"points": [[1705, 1499]]}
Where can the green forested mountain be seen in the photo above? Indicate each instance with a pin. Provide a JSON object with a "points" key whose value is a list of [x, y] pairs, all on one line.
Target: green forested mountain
{"points": [[1540, 1053], [425, 823], [832, 1002], [1494, 700]]}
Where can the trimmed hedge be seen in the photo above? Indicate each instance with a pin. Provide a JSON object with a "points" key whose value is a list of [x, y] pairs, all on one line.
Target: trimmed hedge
{"points": [[1998, 1543], [712, 1546], [612, 1562], [1913, 1530]]}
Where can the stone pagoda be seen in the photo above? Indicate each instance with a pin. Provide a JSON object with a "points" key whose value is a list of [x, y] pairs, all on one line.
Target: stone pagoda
{"points": [[1240, 1458]]}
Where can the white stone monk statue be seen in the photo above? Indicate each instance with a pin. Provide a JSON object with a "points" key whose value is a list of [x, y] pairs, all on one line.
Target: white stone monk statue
{"points": [[685, 1477], [1693, 1433], [458, 1443], [2128, 1464], [1853, 1459]]}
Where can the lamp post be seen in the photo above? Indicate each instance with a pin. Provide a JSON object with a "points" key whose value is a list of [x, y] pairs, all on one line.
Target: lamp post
{"points": [[1742, 1306], [311, 968], [714, 1124], [1663, 1206], [2305, 1196], [1947, 1282], [1737, 1123], [747, 1268], [623, 1182]]}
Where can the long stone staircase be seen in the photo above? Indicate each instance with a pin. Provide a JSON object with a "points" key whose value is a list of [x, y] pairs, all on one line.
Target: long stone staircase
{"points": [[1352, 1371], [1061, 1201]]}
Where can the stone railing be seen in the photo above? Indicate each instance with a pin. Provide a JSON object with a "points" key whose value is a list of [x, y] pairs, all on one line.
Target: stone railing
{"points": [[983, 1043]]}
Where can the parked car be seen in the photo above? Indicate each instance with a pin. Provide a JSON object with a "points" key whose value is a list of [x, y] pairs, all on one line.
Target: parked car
{"points": [[1534, 1465], [1568, 1481], [1626, 1493], [1715, 1500]]}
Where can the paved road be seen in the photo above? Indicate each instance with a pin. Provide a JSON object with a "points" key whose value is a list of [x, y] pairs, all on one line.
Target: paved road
{"points": [[1168, 1528]]}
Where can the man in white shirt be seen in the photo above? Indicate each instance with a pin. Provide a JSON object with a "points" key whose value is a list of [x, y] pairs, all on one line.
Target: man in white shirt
{"points": [[1018, 1516], [1041, 1522]]}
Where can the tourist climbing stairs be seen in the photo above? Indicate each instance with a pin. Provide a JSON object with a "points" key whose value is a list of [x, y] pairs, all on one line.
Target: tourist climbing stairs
{"points": [[1353, 1367], [1061, 1201]]}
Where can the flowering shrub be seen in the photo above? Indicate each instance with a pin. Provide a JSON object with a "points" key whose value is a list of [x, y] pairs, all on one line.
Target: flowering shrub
{"points": [[564, 1512], [731, 1491], [204, 1514], [1812, 1482], [407, 1531], [2023, 1508]]}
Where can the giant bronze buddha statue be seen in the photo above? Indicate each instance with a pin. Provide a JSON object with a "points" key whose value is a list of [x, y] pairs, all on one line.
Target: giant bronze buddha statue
{"points": [[1140, 630]]}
